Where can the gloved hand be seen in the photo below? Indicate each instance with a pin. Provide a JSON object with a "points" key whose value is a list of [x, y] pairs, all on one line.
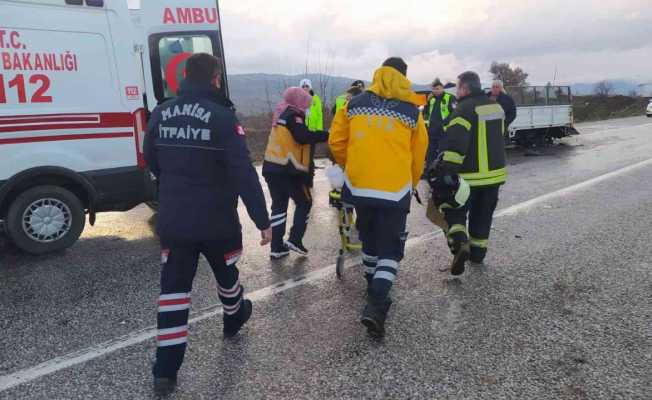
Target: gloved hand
{"points": [[440, 168]]}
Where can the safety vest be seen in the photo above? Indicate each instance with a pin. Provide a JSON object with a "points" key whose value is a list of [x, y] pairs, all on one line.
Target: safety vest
{"points": [[315, 119], [445, 110], [340, 101], [283, 150]]}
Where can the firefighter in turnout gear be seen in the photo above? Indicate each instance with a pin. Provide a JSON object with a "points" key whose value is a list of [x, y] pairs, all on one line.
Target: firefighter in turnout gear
{"points": [[197, 149], [436, 112], [380, 140], [473, 146], [288, 169]]}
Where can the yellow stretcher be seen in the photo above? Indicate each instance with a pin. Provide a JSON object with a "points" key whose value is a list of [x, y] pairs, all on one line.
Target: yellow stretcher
{"points": [[348, 232]]}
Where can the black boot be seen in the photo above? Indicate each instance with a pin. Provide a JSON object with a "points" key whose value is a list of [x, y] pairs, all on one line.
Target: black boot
{"points": [[459, 261], [279, 253], [477, 256], [297, 247], [459, 245], [374, 316], [164, 386], [233, 323]]}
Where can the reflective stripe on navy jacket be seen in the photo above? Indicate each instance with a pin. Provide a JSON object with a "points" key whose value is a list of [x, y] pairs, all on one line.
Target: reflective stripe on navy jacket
{"points": [[198, 151], [474, 142]]}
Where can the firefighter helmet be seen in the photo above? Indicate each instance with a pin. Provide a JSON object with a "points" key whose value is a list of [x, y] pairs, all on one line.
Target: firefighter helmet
{"points": [[449, 191]]}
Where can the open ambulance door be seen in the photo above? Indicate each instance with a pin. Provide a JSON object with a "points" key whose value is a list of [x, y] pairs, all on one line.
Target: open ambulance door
{"points": [[170, 31]]}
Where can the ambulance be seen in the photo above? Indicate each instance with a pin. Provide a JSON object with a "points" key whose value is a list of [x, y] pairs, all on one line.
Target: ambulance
{"points": [[78, 79]]}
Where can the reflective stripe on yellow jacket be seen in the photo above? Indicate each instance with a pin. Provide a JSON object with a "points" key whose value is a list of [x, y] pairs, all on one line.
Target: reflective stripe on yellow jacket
{"points": [[283, 150], [381, 140]]}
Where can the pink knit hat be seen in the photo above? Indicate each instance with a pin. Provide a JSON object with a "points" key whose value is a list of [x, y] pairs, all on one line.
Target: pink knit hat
{"points": [[295, 98]]}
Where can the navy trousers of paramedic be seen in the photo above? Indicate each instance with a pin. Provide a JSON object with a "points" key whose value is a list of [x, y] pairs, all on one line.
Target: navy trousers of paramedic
{"points": [[383, 236], [282, 188], [480, 211], [178, 268]]}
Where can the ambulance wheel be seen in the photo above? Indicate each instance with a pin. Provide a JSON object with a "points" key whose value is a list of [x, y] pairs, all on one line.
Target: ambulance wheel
{"points": [[45, 219], [339, 267]]}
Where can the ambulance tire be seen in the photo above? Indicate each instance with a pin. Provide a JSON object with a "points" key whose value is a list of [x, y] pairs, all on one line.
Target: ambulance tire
{"points": [[53, 202]]}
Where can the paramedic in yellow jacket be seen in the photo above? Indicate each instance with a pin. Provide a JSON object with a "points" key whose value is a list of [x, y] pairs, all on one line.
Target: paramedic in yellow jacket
{"points": [[288, 170], [380, 140]]}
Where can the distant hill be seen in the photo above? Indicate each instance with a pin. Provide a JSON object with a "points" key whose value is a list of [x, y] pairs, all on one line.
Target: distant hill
{"points": [[255, 94], [621, 87], [258, 93]]}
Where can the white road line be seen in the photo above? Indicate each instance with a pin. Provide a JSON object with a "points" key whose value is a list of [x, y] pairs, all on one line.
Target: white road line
{"points": [[612, 128], [79, 357]]}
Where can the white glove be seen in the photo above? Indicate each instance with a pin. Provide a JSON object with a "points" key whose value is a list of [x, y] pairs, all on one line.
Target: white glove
{"points": [[335, 176]]}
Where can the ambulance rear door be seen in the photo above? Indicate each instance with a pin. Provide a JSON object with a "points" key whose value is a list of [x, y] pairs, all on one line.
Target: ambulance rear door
{"points": [[171, 31]]}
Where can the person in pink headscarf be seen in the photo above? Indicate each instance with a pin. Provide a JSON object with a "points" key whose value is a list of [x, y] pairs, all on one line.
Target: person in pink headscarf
{"points": [[288, 169]]}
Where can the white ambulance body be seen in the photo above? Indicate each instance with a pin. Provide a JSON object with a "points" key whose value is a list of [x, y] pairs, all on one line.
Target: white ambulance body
{"points": [[77, 80]]}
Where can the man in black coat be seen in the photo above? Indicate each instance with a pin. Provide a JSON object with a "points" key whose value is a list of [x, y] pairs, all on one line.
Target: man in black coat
{"points": [[506, 101]]}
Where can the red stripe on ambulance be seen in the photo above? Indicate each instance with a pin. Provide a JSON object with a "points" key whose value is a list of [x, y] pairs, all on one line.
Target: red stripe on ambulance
{"points": [[66, 121], [59, 138]]}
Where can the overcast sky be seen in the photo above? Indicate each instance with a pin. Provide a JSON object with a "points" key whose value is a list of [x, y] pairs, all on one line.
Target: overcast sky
{"points": [[586, 40]]}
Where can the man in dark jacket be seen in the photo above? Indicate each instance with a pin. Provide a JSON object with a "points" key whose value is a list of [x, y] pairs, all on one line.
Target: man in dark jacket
{"points": [[499, 95], [435, 114], [197, 149], [473, 147]]}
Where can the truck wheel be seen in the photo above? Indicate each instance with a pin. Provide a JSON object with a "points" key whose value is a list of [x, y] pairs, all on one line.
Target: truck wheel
{"points": [[45, 219]]}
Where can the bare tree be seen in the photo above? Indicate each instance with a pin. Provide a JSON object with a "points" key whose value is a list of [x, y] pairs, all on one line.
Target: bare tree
{"points": [[633, 93], [324, 68], [268, 98], [603, 89], [510, 76]]}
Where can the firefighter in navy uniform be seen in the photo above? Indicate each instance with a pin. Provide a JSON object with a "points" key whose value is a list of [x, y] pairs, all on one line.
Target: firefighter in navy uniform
{"points": [[197, 149], [380, 139], [473, 146]]}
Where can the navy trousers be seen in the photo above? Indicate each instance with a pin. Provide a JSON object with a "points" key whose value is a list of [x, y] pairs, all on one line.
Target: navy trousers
{"points": [[178, 267], [282, 188], [383, 236], [479, 210]]}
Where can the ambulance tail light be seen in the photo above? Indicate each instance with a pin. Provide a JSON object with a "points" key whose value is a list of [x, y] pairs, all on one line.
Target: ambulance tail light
{"points": [[140, 124]]}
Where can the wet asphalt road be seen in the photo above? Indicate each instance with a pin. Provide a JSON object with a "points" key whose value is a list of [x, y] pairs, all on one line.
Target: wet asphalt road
{"points": [[563, 310]]}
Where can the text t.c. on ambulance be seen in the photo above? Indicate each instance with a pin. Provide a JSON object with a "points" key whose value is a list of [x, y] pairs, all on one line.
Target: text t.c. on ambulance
{"points": [[78, 79]]}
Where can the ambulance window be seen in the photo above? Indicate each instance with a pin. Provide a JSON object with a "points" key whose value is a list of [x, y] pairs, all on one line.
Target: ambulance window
{"points": [[169, 53], [173, 53]]}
